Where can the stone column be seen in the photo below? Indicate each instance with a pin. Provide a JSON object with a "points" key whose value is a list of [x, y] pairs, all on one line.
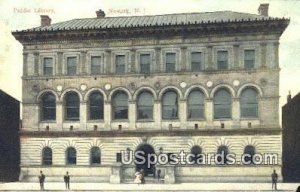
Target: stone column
{"points": [[209, 56], [25, 64], [157, 113], [276, 54], [116, 174], [59, 63], [235, 113], [108, 64], [36, 64], [83, 63], [59, 115], [133, 68], [263, 52], [83, 115], [183, 113], [209, 108], [183, 63], [107, 115], [132, 114], [236, 59], [158, 63]]}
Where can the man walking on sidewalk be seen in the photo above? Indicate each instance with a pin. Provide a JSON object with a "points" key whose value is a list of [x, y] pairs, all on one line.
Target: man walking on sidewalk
{"points": [[67, 180], [42, 180], [274, 180]]}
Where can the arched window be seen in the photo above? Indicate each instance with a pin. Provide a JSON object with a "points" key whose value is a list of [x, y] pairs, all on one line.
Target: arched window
{"points": [[250, 151], [71, 156], [47, 156], [145, 106], [48, 107], [222, 104], [95, 156], [120, 105], [223, 152], [196, 105], [96, 106], [249, 103], [170, 105], [196, 151], [72, 106]]}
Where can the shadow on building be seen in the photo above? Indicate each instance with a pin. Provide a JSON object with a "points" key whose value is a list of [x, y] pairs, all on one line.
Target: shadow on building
{"points": [[291, 139], [9, 137]]}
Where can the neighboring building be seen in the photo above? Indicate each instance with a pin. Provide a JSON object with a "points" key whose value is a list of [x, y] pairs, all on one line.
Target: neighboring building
{"points": [[291, 139], [198, 82], [9, 137]]}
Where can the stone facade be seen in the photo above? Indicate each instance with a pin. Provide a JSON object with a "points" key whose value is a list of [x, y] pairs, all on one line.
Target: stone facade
{"points": [[112, 135]]}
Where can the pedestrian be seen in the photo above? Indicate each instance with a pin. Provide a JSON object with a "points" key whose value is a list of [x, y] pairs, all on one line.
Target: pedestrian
{"points": [[67, 180], [274, 177], [158, 175], [42, 180], [142, 176]]}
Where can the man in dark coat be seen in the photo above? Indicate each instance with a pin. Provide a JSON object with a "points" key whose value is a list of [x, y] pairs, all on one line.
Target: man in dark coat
{"points": [[67, 180], [158, 175], [274, 180], [143, 176], [42, 180]]}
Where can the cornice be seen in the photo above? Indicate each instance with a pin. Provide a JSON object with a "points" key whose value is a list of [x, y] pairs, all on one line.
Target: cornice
{"points": [[276, 26], [154, 133]]}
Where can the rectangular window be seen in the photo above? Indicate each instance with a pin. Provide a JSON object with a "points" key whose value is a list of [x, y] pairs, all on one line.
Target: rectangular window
{"points": [[249, 59], [48, 66], [119, 157], [71, 66], [196, 61], [170, 62], [145, 61], [95, 65], [120, 64], [222, 59]]}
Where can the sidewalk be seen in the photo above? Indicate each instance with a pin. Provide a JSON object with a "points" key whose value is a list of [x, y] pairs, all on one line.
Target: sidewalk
{"points": [[18, 186]]}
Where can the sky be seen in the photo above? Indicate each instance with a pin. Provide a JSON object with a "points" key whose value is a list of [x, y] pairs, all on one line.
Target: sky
{"points": [[23, 14]]}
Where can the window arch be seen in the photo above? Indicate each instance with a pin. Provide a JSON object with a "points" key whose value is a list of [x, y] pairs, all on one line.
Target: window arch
{"points": [[145, 105], [95, 156], [120, 105], [96, 106], [47, 156], [48, 107], [222, 151], [196, 151], [72, 106], [71, 156], [249, 103], [170, 105], [250, 151], [222, 104], [196, 105]]}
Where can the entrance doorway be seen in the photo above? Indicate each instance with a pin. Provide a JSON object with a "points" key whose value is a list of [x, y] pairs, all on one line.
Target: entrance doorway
{"points": [[147, 149]]}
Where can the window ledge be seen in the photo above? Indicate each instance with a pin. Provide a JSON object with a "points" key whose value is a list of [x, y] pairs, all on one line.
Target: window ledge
{"points": [[50, 121], [96, 121], [223, 119], [120, 121], [71, 121], [249, 118], [145, 121], [200, 119], [170, 120]]}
